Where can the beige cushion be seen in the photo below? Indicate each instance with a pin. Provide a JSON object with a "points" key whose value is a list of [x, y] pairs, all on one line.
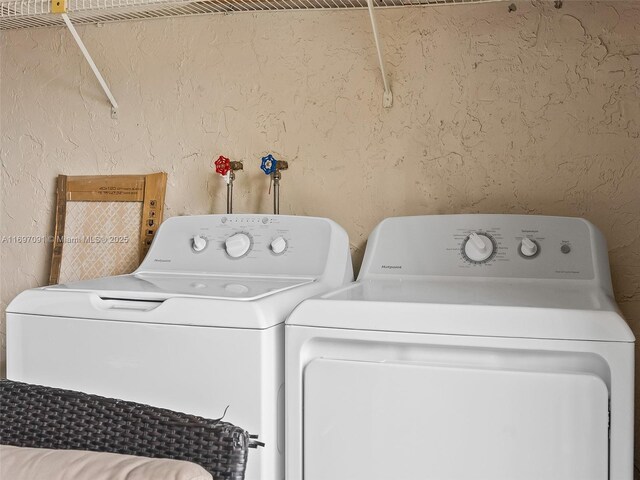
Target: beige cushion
{"points": [[20, 463]]}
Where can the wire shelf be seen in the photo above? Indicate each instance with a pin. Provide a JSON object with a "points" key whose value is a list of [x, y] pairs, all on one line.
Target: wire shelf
{"points": [[16, 14]]}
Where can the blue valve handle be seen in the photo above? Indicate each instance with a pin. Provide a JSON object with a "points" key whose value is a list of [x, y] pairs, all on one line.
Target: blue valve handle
{"points": [[268, 165]]}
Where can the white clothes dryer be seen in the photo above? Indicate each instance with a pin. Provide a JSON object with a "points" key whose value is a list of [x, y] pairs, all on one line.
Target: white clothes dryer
{"points": [[197, 328], [472, 347]]}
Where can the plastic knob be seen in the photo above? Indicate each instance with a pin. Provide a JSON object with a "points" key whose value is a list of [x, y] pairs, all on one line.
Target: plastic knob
{"points": [[528, 247], [478, 247], [278, 245], [237, 245], [268, 165], [223, 165], [199, 243]]}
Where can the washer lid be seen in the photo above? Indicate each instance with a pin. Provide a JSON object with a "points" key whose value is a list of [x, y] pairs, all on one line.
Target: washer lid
{"points": [[162, 286], [478, 307], [197, 300]]}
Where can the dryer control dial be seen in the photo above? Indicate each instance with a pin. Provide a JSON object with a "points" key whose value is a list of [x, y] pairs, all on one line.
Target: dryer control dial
{"points": [[478, 247], [278, 245], [198, 243], [237, 245], [528, 247]]}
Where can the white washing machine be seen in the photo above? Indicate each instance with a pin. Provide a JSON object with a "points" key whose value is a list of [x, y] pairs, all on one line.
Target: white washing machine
{"points": [[199, 327], [472, 347]]}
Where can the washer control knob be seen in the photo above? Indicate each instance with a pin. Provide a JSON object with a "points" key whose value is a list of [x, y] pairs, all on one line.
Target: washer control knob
{"points": [[198, 243], [478, 247], [528, 247], [278, 245], [237, 245]]}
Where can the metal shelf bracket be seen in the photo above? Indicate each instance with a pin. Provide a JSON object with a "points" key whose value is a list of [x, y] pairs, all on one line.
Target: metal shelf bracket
{"points": [[387, 96], [59, 6]]}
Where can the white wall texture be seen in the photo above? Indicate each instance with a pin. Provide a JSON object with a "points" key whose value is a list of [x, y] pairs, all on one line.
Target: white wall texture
{"points": [[534, 111]]}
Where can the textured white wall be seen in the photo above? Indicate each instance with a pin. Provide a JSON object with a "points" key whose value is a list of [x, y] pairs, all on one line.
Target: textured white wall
{"points": [[535, 111]]}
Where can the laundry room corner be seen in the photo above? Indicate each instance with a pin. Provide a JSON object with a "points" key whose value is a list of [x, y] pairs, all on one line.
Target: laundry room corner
{"points": [[528, 107]]}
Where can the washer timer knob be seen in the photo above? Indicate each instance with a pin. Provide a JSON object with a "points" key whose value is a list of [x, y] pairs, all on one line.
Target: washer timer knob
{"points": [[198, 243], [278, 245], [237, 245], [478, 247], [528, 247]]}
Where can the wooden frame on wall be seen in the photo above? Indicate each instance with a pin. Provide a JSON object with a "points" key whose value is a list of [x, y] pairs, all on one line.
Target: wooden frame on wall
{"points": [[144, 193]]}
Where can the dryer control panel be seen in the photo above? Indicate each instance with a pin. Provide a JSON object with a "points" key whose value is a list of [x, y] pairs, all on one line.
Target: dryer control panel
{"points": [[244, 244], [511, 246]]}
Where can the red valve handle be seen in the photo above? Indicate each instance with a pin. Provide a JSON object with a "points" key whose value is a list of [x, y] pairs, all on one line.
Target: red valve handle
{"points": [[223, 165]]}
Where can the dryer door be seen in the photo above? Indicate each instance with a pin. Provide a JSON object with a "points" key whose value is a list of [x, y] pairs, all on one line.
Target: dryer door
{"points": [[395, 421]]}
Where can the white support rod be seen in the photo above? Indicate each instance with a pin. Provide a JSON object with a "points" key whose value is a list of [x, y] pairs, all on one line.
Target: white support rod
{"points": [[376, 36], [89, 60]]}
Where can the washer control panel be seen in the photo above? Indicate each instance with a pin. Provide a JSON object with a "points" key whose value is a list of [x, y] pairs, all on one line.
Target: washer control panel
{"points": [[517, 246], [241, 244]]}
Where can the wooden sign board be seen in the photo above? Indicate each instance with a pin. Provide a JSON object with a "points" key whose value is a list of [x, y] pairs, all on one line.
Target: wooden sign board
{"points": [[104, 224]]}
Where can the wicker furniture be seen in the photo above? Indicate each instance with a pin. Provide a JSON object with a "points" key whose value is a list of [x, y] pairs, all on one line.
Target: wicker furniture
{"points": [[43, 417], [25, 463]]}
